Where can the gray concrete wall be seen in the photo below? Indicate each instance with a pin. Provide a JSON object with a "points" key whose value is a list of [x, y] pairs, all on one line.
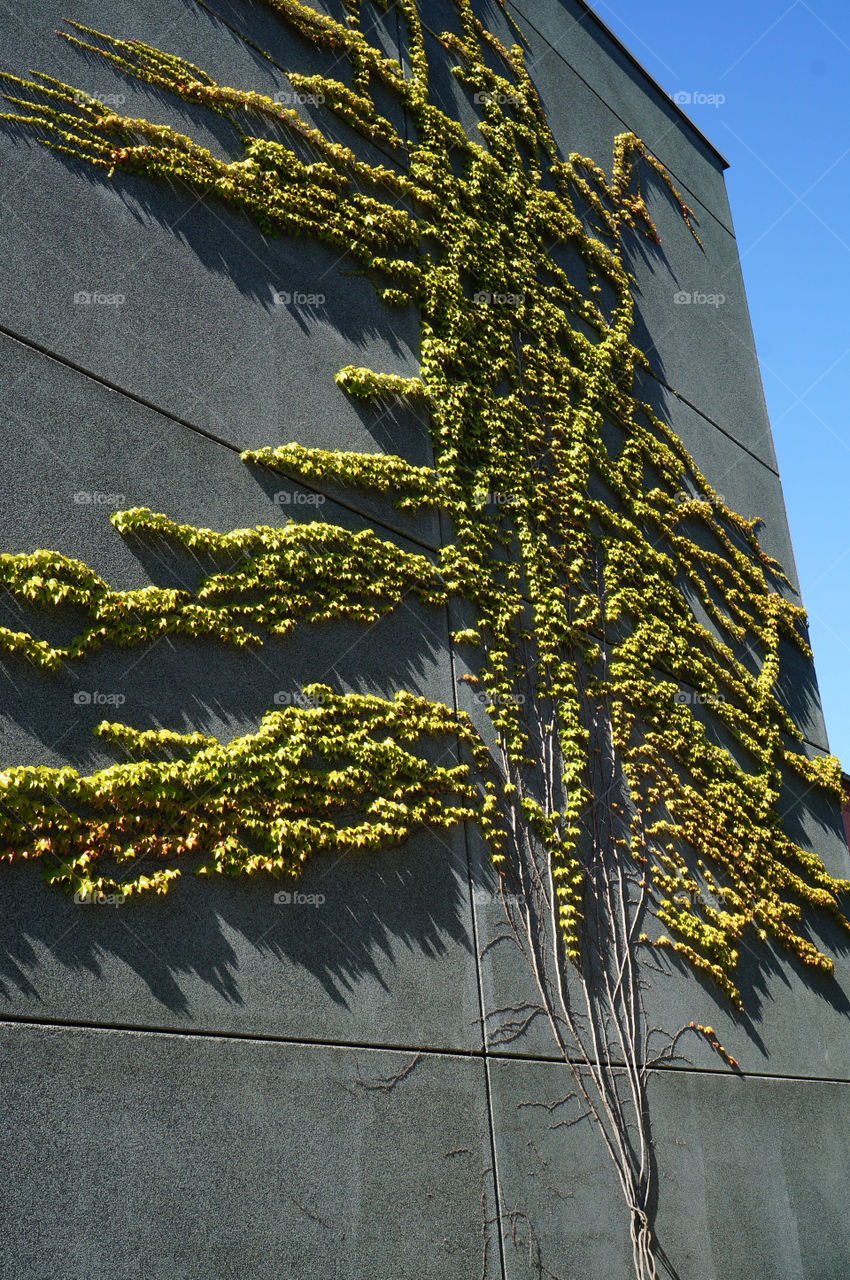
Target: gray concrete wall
{"points": [[202, 1088]]}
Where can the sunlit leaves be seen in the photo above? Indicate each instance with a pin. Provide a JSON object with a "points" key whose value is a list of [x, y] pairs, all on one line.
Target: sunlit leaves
{"points": [[342, 774], [606, 578]]}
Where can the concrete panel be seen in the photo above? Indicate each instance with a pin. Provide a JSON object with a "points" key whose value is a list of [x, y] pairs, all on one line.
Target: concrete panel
{"points": [[68, 439], [199, 331], [181, 1159], [563, 38], [746, 482], [753, 489], [669, 331], [752, 1177], [388, 957], [384, 957], [694, 324]]}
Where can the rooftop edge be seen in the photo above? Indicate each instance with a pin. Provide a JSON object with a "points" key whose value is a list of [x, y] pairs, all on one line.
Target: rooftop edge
{"points": [[638, 65]]}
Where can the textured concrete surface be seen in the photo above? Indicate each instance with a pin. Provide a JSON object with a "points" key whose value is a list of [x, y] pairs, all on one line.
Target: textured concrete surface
{"points": [[378, 951], [691, 300], [77, 451], [561, 35], [753, 1180], [389, 956], [199, 331], [153, 1157], [272, 1140]]}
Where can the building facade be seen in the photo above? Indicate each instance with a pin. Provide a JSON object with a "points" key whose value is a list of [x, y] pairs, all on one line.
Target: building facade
{"points": [[235, 1080]]}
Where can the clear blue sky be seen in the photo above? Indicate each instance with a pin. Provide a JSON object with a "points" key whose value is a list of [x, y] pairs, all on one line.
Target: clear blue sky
{"points": [[784, 68]]}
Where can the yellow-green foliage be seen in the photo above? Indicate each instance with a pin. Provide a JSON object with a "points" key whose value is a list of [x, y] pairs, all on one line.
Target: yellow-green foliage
{"points": [[278, 577], [582, 530], [340, 772]]}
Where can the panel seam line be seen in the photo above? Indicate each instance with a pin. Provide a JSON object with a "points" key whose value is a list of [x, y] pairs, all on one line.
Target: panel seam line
{"points": [[29, 1020], [137, 398]]}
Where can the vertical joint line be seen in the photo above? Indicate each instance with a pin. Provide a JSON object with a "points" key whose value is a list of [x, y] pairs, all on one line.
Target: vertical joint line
{"points": [[478, 975]]}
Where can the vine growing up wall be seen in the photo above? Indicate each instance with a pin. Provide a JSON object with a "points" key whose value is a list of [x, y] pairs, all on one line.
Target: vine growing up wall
{"points": [[607, 577]]}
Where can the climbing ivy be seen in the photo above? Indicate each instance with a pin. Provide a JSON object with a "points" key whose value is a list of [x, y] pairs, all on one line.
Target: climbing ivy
{"points": [[279, 577], [603, 572], [335, 774]]}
